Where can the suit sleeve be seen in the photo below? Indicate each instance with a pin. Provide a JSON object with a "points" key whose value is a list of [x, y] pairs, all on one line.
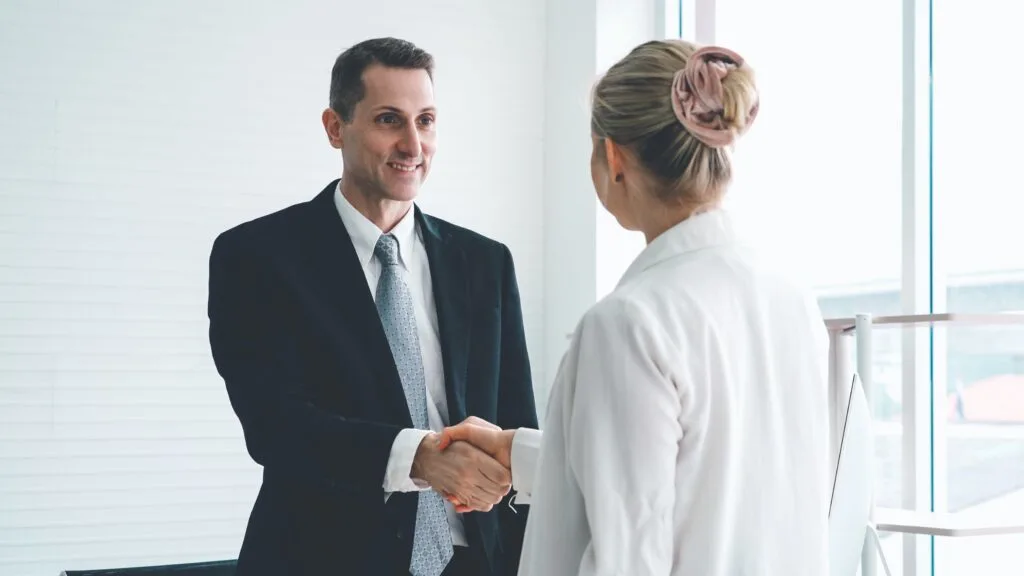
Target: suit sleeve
{"points": [[284, 431], [516, 405]]}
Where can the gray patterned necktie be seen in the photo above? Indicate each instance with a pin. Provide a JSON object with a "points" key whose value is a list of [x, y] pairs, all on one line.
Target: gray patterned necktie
{"points": [[432, 543]]}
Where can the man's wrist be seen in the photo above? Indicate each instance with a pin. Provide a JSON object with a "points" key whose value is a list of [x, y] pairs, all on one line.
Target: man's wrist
{"points": [[397, 475], [426, 449], [505, 455]]}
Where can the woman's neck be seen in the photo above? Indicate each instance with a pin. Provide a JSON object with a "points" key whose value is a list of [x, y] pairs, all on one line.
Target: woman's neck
{"points": [[659, 217]]}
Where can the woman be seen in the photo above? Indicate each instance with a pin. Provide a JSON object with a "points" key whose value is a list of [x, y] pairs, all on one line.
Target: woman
{"points": [[687, 426]]}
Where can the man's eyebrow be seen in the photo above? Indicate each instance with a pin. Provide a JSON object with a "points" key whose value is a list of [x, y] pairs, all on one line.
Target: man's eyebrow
{"points": [[387, 108]]}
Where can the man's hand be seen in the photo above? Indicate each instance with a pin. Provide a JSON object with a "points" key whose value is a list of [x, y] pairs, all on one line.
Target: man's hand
{"points": [[486, 436], [464, 474], [483, 435]]}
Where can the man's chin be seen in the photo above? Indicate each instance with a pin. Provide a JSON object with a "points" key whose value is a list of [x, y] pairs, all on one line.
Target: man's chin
{"points": [[404, 193]]}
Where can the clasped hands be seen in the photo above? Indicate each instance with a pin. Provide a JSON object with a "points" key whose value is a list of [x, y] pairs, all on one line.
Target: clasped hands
{"points": [[470, 464]]}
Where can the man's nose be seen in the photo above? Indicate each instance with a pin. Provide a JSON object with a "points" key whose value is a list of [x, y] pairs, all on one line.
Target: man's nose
{"points": [[409, 144]]}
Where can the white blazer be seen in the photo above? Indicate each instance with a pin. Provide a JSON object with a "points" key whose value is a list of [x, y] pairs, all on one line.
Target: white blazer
{"points": [[687, 428]]}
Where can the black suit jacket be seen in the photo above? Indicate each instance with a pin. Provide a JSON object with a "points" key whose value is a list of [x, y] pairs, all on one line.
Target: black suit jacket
{"points": [[296, 336]]}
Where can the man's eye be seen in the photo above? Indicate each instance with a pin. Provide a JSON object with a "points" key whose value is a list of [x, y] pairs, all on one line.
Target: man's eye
{"points": [[427, 120], [387, 119]]}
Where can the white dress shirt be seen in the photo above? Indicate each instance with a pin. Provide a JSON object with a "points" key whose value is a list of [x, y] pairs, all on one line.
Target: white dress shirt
{"points": [[687, 427], [416, 271]]}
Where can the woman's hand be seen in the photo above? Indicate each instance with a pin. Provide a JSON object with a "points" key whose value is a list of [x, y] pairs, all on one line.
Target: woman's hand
{"points": [[491, 439]]}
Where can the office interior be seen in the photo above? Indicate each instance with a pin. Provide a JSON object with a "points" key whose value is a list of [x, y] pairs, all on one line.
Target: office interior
{"points": [[882, 172]]}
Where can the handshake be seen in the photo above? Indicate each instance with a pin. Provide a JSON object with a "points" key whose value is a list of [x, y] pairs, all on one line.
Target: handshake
{"points": [[470, 464]]}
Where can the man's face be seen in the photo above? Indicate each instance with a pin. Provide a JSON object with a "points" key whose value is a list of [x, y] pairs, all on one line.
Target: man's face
{"points": [[388, 145]]}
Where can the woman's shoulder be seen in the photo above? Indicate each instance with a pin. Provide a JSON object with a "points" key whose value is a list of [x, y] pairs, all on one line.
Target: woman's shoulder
{"points": [[622, 306], [636, 314], [649, 302]]}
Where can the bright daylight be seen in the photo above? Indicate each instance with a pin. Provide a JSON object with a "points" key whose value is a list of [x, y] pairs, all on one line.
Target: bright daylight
{"points": [[534, 288]]}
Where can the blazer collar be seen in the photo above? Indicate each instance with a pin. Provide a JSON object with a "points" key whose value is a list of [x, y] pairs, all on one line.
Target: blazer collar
{"points": [[336, 275], [335, 255], [365, 233], [698, 232], [450, 278]]}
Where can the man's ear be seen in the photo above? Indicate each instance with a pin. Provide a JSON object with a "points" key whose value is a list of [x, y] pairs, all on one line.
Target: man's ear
{"points": [[332, 126], [613, 155]]}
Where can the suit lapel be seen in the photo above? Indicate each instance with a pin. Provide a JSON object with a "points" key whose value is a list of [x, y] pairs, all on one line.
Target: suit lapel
{"points": [[449, 280], [341, 283]]}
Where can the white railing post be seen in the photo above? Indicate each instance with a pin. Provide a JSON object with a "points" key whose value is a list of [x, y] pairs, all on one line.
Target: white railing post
{"points": [[862, 329]]}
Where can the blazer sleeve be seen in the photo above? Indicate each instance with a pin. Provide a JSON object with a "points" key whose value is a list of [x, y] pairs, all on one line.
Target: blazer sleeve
{"points": [[284, 431], [623, 442], [516, 405]]}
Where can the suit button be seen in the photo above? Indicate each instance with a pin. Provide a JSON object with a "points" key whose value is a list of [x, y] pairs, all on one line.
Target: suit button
{"points": [[400, 534]]}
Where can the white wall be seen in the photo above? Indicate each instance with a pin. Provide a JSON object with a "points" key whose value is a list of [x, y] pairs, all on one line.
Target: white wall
{"points": [[621, 27], [585, 250], [131, 134], [569, 203]]}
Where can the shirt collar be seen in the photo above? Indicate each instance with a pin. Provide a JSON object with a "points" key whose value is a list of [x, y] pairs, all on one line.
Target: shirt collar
{"points": [[704, 230], [365, 234]]}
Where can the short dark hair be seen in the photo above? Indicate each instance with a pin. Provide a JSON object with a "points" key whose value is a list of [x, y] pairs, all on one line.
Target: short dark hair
{"points": [[347, 87]]}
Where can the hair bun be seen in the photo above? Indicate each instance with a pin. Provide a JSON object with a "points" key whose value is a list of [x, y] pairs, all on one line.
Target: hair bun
{"points": [[713, 96]]}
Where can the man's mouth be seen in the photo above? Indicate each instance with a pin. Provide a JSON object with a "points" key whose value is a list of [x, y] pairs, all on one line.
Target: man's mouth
{"points": [[404, 167]]}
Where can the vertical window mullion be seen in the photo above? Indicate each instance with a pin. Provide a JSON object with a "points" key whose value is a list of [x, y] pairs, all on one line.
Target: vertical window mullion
{"points": [[916, 280]]}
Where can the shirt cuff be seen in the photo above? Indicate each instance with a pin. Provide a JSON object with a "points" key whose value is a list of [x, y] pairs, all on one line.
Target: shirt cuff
{"points": [[525, 452], [397, 477]]}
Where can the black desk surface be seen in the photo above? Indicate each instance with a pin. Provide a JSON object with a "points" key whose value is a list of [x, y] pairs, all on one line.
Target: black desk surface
{"points": [[221, 568]]}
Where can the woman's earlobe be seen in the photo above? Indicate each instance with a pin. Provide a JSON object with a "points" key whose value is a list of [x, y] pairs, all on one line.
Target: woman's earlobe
{"points": [[614, 158]]}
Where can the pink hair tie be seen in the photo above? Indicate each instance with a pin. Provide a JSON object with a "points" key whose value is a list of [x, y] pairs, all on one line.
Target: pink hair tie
{"points": [[697, 95]]}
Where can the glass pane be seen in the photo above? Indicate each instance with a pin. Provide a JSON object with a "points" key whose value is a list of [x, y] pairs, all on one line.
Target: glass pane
{"points": [[984, 410], [979, 403], [977, 233], [818, 177], [979, 268]]}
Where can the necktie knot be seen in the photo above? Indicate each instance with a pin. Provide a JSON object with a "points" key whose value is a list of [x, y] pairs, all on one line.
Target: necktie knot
{"points": [[387, 250]]}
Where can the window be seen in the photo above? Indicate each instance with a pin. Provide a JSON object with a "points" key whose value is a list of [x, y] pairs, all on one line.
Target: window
{"points": [[819, 174], [823, 155], [979, 267], [892, 193]]}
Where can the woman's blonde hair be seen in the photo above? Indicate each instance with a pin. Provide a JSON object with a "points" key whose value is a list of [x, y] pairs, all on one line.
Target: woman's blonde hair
{"points": [[637, 104]]}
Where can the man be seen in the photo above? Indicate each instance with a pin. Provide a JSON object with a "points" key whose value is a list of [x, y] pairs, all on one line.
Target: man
{"points": [[349, 330]]}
